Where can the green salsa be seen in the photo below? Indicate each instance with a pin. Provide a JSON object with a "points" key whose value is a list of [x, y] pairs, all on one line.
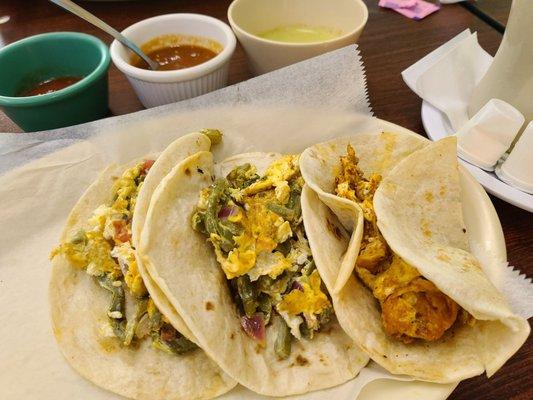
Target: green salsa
{"points": [[300, 34]]}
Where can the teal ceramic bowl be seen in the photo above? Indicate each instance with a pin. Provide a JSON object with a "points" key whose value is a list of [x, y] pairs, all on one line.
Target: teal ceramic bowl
{"points": [[26, 63]]}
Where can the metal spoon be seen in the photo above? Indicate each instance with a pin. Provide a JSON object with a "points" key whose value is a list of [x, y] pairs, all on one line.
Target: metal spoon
{"points": [[87, 16]]}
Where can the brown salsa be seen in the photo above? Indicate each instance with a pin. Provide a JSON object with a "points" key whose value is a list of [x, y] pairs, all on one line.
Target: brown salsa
{"points": [[178, 57], [174, 52], [50, 86]]}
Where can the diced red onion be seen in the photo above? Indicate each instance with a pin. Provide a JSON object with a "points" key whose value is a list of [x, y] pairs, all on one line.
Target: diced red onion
{"points": [[228, 211], [255, 327], [297, 285], [168, 333]]}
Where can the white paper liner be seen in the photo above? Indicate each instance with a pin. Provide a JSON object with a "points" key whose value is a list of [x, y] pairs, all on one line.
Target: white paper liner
{"points": [[284, 111], [333, 80]]}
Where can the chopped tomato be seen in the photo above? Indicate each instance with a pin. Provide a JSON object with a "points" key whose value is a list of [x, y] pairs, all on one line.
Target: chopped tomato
{"points": [[147, 165], [121, 231]]}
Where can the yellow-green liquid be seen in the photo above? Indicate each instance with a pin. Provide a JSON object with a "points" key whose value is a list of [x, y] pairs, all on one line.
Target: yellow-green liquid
{"points": [[300, 34]]}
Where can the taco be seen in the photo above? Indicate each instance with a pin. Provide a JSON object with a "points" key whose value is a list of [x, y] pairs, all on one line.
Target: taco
{"points": [[246, 284], [415, 299], [111, 322]]}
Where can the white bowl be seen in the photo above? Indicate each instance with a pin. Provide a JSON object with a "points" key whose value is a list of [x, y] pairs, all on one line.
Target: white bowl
{"points": [[155, 88], [251, 17]]}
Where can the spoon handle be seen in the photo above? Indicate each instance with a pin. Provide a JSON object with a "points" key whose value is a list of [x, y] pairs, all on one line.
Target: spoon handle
{"points": [[87, 16]]}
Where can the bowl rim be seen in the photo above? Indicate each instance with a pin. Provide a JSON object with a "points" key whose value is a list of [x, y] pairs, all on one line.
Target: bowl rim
{"points": [[98, 71], [237, 28], [179, 75]]}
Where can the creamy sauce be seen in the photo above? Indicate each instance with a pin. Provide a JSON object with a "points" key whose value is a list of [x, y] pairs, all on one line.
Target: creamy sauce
{"points": [[173, 52], [50, 86], [300, 34]]}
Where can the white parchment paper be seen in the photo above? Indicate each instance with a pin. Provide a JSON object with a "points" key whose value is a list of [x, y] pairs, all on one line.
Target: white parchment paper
{"points": [[38, 196], [334, 81], [44, 174]]}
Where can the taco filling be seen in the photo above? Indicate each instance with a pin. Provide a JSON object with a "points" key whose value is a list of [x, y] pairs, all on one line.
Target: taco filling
{"points": [[105, 252], [255, 226], [411, 306]]}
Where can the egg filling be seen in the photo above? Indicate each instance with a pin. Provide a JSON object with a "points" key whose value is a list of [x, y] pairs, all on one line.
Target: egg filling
{"points": [[104, 251], [411, 306], [255, 226]]}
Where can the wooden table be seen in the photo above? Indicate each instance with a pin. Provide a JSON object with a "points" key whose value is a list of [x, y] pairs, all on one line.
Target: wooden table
{"points": [[389, 44], [497, 9]]}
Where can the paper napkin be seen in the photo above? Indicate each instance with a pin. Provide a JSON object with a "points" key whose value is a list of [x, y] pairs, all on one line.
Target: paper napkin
{"points": [[414, 9], [447, 76]]}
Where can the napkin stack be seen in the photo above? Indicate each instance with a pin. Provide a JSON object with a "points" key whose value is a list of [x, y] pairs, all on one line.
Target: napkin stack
{"points": [[446, 77]]}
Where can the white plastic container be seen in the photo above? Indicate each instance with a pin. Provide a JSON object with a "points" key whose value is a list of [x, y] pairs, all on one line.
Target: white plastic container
{"points": [[517, 169], [485, 138], [155, 88]]}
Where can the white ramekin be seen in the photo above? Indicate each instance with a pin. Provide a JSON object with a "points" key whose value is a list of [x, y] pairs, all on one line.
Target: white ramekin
{"points": [[155, 88], [250, 17]]}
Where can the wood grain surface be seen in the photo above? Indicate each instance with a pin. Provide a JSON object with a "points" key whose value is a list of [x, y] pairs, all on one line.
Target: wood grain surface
{"points": [[389, 44], [497, 9]]}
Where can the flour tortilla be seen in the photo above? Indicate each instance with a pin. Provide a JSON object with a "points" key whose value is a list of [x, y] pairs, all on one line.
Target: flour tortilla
{"points": [[78, 311], [175, 152], [378, 153], [197, 288], [426, 231]]}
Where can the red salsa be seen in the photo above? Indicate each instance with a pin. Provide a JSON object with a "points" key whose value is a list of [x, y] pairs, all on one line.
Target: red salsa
{"points": [[50, 86]]}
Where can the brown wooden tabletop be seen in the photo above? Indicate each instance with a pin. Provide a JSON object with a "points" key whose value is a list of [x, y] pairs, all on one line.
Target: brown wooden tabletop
{"points": [[497, 9], [389, 44]]}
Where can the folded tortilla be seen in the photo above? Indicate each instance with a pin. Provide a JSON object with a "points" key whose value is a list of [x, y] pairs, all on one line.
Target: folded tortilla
{"points": [[183, 264], [419, 212], [79, 306], [378, 153], [175, 153]]}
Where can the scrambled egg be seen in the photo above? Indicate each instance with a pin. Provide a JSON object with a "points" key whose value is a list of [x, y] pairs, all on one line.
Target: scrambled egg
{"points": [[271, 264], [277, 174], [104, 251], [262, 229], [259, 223], [282, 192], [308, 300], [256, 229], [284, 230], [125, 255], [411, 306], [104, 248], [238, 261], [90, 251]]}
